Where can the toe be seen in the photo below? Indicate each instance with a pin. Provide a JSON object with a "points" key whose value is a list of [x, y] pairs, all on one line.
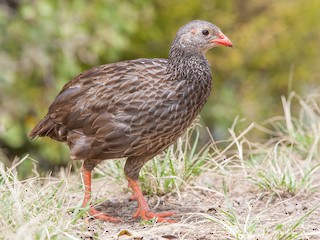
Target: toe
{"points": [[102, 216], [160, 217], [164, 214]]}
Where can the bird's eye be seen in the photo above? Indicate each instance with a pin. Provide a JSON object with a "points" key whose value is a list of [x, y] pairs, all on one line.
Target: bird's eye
{"points": [[205, 32]]}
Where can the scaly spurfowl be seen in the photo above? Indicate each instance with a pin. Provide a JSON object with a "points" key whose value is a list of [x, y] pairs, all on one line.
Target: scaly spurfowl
{"points": [[134, 109]]}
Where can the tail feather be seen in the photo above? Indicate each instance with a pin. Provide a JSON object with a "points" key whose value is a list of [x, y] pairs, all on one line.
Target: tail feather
{"points": [[43, 128]]}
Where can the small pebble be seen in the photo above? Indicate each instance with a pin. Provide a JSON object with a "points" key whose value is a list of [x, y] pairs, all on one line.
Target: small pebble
{"points": [[289, 208]]}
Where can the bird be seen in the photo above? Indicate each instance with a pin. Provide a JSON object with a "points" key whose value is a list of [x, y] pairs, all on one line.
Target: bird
{"points": [[133, 109]]}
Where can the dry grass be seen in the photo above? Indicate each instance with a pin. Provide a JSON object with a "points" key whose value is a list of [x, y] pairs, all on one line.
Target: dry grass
{"points": [[247, 190]]}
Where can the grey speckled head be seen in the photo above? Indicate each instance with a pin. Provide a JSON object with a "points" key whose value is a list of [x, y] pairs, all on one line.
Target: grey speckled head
{"points": [[198, 36]]}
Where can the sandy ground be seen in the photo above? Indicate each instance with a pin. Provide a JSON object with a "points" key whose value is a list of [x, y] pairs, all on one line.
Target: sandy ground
{"points": [[215, 207]]}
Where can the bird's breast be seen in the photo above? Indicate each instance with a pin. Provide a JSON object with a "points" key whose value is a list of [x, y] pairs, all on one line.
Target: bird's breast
{"points": [[171, 116]]}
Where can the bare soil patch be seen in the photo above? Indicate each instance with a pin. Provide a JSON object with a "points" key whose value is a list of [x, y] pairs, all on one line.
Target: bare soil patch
{"points": [[214, 208]]}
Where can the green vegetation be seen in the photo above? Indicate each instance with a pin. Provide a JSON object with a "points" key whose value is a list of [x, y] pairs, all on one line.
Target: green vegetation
{"points": [[283, 168], [288, 164]]}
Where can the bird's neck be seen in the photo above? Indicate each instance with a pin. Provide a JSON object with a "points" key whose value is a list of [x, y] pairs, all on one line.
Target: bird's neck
{"points": [[186, 65]]}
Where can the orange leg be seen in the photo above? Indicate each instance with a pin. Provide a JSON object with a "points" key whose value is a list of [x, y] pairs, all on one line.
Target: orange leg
{"points": [[143, 210], [87, 197]]}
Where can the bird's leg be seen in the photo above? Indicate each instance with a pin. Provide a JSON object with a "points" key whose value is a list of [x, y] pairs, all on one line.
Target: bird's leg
{"points": [[87, 197], [143, 210]]}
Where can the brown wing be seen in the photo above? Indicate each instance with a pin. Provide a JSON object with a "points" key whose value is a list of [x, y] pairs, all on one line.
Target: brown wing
{"points": [[110, 111]]}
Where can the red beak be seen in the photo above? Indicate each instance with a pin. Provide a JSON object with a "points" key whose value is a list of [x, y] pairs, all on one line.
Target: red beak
{"points": [[222, 40]]}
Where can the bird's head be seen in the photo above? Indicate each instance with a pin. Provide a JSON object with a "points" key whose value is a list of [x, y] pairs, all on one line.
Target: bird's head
{"points": [[200, 36]]}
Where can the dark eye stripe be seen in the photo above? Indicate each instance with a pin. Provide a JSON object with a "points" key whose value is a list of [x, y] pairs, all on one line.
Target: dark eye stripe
{"points": [[205, 32]]}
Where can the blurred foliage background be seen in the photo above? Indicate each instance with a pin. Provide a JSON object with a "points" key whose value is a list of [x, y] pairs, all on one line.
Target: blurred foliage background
{"points": [[45, 43]]}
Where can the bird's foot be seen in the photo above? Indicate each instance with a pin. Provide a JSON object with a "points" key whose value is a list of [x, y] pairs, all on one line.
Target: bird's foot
{"points": [[148, 215], [102, 216], [143, 210]]}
